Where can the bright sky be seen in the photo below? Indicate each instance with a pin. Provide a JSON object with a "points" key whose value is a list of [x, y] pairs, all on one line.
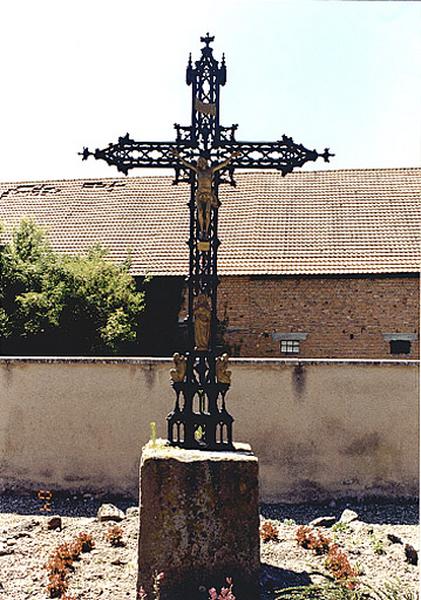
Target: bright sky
{"points": [[341, 74]]}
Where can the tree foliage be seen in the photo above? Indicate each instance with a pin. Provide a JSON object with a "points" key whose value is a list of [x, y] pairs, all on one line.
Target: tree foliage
{"points": [[65, 305]]}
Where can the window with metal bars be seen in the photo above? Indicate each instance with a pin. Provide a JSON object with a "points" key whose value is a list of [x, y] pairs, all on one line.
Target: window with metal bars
{"points": [[290, 346]]}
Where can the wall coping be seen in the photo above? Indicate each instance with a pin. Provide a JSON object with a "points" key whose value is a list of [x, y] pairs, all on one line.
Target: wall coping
{"points": [[150, 360]]}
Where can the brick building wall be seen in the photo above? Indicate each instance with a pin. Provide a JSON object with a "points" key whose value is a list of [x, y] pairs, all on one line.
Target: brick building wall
{"points": [[343, 316]]}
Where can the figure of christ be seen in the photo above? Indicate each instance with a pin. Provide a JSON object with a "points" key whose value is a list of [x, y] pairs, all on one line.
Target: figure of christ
{"points": [[205, 196]]}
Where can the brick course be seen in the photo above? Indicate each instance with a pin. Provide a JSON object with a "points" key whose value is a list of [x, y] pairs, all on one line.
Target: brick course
{"points": [[345, 317]]}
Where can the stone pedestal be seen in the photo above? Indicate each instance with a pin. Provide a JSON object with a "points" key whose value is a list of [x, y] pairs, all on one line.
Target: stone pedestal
{"points": [[199, 521]]}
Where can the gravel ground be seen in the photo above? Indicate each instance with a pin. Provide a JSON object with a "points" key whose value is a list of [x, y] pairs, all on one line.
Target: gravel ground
{"points": [[109, 573]]}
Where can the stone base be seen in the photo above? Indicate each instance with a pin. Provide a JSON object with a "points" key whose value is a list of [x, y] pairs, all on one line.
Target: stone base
{"points": [[199, 521]]}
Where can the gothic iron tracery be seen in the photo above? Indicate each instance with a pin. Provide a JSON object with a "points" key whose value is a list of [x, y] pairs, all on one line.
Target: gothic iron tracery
{"points": [[202, 155]]}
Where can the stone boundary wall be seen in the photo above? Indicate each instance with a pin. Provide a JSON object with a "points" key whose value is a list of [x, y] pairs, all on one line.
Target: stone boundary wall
{"points": [[320, 428]]}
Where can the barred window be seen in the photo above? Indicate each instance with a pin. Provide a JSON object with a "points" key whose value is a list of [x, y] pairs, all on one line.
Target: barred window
{"points": [[290, 346]]}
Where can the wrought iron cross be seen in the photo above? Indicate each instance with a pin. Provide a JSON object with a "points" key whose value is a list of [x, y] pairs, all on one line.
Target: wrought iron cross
{"points": [[205, 155]]}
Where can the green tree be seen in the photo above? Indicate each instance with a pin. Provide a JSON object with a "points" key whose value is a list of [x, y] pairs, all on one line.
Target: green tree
{"points": [[60, 304]]}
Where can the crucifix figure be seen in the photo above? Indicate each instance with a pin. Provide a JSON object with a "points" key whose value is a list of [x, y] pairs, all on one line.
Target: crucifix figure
{"points": [[205, 197], [205, 155]]}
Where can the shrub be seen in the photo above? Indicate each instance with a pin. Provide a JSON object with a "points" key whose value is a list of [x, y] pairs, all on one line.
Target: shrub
{"points": [[338, 564], [115, 536], [57, 585], [61, 562], [57, 566], [313, 540], [268, 532], [85, 542], [304, 536], [66, 553], [52, 302]]}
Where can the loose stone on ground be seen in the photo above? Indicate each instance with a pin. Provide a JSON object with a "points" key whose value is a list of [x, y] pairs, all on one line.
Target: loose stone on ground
{"points": [[109, 573], [109, 512]]}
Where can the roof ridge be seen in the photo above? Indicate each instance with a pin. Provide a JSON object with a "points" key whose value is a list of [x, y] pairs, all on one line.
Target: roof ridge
{"points": [[254, 172]]}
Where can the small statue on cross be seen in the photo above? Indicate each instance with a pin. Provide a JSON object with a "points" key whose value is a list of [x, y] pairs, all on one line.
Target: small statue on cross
{"points": [[202, 321], [205, 196], [180, 366], [222, 373]]}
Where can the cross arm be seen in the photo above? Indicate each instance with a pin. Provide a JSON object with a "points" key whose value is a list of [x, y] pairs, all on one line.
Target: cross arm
{"points": [[128, 154], [283, 155]]}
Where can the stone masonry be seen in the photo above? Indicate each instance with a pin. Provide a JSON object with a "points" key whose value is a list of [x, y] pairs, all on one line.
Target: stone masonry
{"points": [[343, 316], [199, 520]]}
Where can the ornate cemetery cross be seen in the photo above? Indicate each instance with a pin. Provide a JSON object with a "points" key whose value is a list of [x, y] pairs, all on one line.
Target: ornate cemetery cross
{"points": [[202, 155]]}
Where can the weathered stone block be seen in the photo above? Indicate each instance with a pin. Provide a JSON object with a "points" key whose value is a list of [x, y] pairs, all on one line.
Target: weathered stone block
{"points": [[199, 520]]}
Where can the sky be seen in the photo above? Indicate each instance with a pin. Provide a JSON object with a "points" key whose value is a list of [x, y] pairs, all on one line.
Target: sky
{"points": [[329, 73]]}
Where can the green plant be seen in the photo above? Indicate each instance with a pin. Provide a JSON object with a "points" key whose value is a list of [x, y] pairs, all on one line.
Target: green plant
{"points": [[268, 532], [115, 536], [289, 522], [341, 527], [324, 591], [152, 425], [377, 544], [50, 302], [392, 590], [330, 590]]}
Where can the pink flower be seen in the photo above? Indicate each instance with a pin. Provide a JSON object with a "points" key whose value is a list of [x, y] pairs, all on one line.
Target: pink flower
{"points": [[225, 594]]}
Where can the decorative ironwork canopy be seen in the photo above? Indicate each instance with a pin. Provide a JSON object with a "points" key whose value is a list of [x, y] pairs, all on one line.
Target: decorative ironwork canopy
{"points": [[205, 155]]}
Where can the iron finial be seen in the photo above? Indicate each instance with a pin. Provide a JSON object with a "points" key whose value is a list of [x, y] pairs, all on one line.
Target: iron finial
{"points": [[85, 153], [326, 155], [207, 39]]}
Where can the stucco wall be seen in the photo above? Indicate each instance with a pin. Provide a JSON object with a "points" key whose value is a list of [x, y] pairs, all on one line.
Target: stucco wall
{"points": [[319, 428]]}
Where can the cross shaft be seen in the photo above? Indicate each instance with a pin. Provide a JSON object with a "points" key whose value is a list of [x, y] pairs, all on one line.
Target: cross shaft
{"points": [[201, 154]]}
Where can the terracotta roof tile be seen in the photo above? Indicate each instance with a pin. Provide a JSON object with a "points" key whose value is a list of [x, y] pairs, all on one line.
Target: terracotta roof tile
{"points": [[310, 222]]}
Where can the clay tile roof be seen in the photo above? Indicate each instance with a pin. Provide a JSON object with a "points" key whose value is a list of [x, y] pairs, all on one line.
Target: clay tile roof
{"points": [[309, 222]]}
